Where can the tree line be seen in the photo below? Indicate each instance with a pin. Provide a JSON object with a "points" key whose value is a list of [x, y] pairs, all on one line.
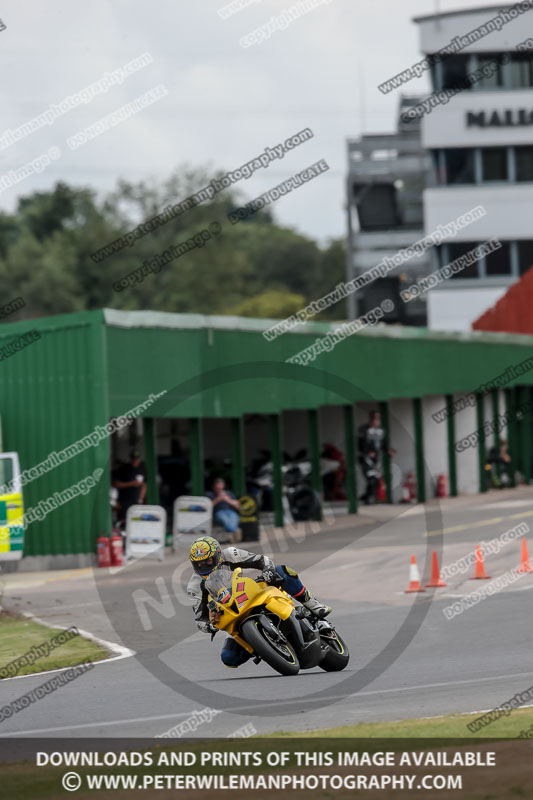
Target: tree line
{"points": [[256, 268]]}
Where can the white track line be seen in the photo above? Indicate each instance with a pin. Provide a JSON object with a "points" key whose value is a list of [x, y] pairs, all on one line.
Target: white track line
{"points": [[113, 647], [98, 724], [65, 610], [249, 708]]}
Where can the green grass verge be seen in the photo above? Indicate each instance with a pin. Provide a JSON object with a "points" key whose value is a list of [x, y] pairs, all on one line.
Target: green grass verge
{"points": [[449, 727], [19, 635]]}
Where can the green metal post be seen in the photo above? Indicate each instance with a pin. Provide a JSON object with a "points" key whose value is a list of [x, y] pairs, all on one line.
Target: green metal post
{"points": [[452, 455], [526, 432], [387, 476], [314, 453], [518, 426], [481, 455], [196, 456], [99, 523], [350, 448], [419, 449], [275, 432], [237, 456], [494, 396], [510, 413], [150, 461]]}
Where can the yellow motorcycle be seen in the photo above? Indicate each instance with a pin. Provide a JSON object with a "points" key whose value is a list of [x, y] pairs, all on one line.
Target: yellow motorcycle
{"points": [[266, 622]]}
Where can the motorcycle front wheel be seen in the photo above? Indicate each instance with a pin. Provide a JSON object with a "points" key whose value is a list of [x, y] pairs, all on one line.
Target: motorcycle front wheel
{"points": [[337, 656], [278, 655]]}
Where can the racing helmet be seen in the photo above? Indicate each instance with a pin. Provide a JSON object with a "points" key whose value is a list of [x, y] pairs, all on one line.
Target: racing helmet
{"points": [[205, 555]]}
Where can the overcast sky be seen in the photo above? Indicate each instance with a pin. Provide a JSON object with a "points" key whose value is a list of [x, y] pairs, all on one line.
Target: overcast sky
{"points": [[225, 103]]}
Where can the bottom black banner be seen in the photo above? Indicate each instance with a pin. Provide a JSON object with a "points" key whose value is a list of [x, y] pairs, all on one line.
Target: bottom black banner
{"points": [[295, 767]]}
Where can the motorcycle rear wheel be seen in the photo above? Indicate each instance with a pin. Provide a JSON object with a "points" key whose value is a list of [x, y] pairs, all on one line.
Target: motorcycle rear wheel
{"points": [[338, 655], [282, 658]]}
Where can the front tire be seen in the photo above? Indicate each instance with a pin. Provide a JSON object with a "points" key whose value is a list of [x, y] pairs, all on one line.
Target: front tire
{"points": [[282, 658], [338, 655]]}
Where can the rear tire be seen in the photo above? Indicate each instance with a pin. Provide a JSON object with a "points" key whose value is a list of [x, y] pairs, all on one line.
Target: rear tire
{"points": [[338, 655], [256, 636]]}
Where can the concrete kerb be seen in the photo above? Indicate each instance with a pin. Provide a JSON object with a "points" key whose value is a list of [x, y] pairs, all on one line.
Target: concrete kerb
{"points": [[116, 651]]}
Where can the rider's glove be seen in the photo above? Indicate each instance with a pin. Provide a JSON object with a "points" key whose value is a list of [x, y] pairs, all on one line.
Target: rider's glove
{"points": [[269, 575], [205, 626]]}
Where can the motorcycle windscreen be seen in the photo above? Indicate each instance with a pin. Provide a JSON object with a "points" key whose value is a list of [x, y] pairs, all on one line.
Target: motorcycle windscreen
{"points": [[218, 584], [11, 508]]}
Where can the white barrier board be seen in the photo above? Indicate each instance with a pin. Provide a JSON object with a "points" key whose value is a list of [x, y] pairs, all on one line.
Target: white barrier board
{"points": [[192, 518], [145, 531]]}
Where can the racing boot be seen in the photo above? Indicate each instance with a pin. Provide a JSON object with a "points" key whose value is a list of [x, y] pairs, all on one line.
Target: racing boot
{"points": [[320, 610]]}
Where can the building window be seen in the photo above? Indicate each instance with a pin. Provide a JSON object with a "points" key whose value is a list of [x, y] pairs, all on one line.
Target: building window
{"points": [[456, 249], [376, 206], [524, 163], [439, 172], [494, 164], [525, 255], [434, 72], [494, 79], [521, 71], [458, 165], [454, 72], [499, 262]]}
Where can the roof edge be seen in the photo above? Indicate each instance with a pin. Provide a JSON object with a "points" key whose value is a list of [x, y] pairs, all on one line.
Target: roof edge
{"points": [[460, 12], [165, 319], [111, 317]]}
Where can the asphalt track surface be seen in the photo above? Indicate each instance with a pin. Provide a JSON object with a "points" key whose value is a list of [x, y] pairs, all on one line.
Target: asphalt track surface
{"points": [[475, 661]]}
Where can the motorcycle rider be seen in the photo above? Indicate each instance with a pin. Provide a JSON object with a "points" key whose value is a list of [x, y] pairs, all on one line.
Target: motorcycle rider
{"points": [[206, 555]]}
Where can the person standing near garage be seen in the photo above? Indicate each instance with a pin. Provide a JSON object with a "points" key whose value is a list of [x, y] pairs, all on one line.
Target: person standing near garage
{"points": [[372, 443], [131, 484]]}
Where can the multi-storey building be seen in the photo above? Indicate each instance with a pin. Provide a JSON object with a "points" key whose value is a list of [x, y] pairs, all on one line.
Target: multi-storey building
{"points": [[481, 147]]}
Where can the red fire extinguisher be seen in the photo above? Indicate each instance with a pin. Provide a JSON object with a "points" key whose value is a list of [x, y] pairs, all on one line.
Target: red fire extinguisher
{"points": [[409, 489], [103, 551], [411, 482], [442, 486], [117, 559], [381, 494]]}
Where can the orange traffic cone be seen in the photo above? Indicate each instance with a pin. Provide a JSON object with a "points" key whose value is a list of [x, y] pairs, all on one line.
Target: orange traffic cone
{"points": [[435, 580], [479, 572], [414, 578], [525, 566]]}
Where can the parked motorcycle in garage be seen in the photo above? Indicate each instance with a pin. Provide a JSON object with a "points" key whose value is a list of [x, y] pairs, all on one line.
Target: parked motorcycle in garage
{"points": [[301, 502]]}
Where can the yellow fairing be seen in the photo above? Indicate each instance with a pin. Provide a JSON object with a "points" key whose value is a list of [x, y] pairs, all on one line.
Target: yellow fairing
{"points": [[253, 595]]}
